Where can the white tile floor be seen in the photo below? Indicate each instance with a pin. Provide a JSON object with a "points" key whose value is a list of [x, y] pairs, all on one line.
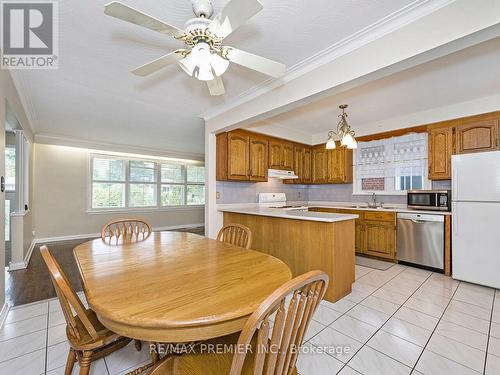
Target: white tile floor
{"points": [[399, 321]]}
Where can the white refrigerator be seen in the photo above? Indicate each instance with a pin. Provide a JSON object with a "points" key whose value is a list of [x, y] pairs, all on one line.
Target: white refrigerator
{"points": [[476, 218]]}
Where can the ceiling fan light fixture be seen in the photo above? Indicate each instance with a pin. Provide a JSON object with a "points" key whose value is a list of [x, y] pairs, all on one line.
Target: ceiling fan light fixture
{"points": [[204, 64], [219, 64]]}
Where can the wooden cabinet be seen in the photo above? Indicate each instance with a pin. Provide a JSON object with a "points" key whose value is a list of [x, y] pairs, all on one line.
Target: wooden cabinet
{"points": [[258, 150], [319, 165], [281, 154], [440, 151], [237, 156], [477, 136], [306, 176], [359, 231], [302, 163], [331, 166], [380, 239], [246, 156], [461, 136], [339, 166], [375, 232], [275, 154], [241, 156]]}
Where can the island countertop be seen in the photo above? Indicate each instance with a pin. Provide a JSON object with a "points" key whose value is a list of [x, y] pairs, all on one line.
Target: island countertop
{"points": [[294, 214]]}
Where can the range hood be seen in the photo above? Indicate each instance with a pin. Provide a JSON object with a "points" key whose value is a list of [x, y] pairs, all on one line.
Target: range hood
{"points": [[283, 175]]}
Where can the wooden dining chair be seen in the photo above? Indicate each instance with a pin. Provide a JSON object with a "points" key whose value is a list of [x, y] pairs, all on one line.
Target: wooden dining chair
{"points": [[124, 230], [259, 349], [88, 339], [236, 234]]}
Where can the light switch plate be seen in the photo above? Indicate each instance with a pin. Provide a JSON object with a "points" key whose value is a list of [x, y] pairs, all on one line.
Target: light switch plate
{"points": [[217, 195]]}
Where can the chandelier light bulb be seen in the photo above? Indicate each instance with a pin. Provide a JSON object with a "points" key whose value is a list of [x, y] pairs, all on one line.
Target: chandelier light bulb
{"points": [[330, 144]]}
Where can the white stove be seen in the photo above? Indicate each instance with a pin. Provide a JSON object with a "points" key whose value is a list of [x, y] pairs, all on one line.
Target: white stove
{"points": [[278, 201]]}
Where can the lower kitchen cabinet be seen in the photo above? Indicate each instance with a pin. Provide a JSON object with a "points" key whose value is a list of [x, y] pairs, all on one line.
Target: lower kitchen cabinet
{"points": [[359, 231], [380, 239], [375, 232]]}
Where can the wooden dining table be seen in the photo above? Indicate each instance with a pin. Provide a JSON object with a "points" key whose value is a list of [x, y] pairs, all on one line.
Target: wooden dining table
{"points": [[174, 286]]}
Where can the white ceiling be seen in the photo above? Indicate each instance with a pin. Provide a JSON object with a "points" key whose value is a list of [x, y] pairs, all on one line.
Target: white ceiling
{"points": [[93, 96], [463, 76]]}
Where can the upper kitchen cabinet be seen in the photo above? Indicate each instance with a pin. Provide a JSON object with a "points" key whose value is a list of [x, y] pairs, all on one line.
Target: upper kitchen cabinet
{"points": [[440, 151], [302, 163], [258, 158], [331, 166], [281, 154], [477, 136], [241, 156], [340, 165], [306, 174], [319, 164], [461, 136]]}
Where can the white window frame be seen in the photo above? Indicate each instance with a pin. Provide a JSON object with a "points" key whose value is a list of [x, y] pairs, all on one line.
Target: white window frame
{"points": [[390, 184], [128, 183], [190, 184], [16, 170]]}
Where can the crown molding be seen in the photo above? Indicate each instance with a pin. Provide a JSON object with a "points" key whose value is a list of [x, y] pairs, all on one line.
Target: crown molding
{"points": [[54, 139], [384, 26]]}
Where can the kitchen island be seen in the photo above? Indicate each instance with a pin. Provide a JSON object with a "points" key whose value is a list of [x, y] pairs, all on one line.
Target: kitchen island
{"points": [[304, 240]]}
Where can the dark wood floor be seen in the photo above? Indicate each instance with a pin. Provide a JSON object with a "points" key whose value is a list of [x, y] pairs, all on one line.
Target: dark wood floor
{"points": [[34, 284]]}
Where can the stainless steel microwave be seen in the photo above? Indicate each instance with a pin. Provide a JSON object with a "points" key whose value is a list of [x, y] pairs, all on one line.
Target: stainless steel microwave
{"points": [[436, 200]]}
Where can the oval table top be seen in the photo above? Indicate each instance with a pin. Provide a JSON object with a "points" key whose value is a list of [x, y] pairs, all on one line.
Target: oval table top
{"points": [[175, 286]]}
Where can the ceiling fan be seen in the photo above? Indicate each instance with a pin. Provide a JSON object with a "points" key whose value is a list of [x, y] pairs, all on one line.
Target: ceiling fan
{"points": [[204, 57]]}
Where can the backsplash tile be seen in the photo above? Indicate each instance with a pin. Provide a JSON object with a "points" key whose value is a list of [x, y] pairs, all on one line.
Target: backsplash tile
{"points": [[343, 193], [246, 192]]}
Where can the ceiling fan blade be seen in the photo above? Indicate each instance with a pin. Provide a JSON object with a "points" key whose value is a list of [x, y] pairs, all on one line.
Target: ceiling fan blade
{"points": [[129, 14], [234, 14], [157, 64], [216, 87], [254, 62]]}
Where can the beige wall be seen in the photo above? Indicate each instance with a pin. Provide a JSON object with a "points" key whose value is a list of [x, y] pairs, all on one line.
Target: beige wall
{"points": [[8, 93], [60, 197]]}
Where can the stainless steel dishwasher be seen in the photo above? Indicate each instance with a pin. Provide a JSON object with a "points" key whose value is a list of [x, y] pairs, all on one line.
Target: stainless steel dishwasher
{"points": [[420, 240]]}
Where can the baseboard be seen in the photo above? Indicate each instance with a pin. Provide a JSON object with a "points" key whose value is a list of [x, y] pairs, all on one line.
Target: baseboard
{"points": [[27, 257], [15, 266], [65, 238], [173, 227], [3, 314], [95, 235]]}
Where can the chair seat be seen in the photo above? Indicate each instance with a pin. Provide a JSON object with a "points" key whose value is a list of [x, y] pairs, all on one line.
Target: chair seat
{"points": [[207, 362], [86, 342]]}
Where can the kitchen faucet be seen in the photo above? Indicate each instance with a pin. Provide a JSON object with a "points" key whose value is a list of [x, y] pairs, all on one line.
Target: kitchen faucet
{"points": [[373, 203]]}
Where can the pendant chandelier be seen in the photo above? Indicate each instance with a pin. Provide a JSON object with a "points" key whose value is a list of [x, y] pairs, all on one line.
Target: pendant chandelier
{"points": [[344, 134]]}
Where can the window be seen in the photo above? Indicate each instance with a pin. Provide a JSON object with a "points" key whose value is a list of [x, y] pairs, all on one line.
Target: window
{"points": [[391, 166], [10, 168], [196, 185], [142, 183], [108, 183], [134, 183]]}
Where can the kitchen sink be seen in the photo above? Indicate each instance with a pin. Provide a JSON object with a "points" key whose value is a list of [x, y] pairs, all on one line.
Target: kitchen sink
{"points": [[375, 208]]}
